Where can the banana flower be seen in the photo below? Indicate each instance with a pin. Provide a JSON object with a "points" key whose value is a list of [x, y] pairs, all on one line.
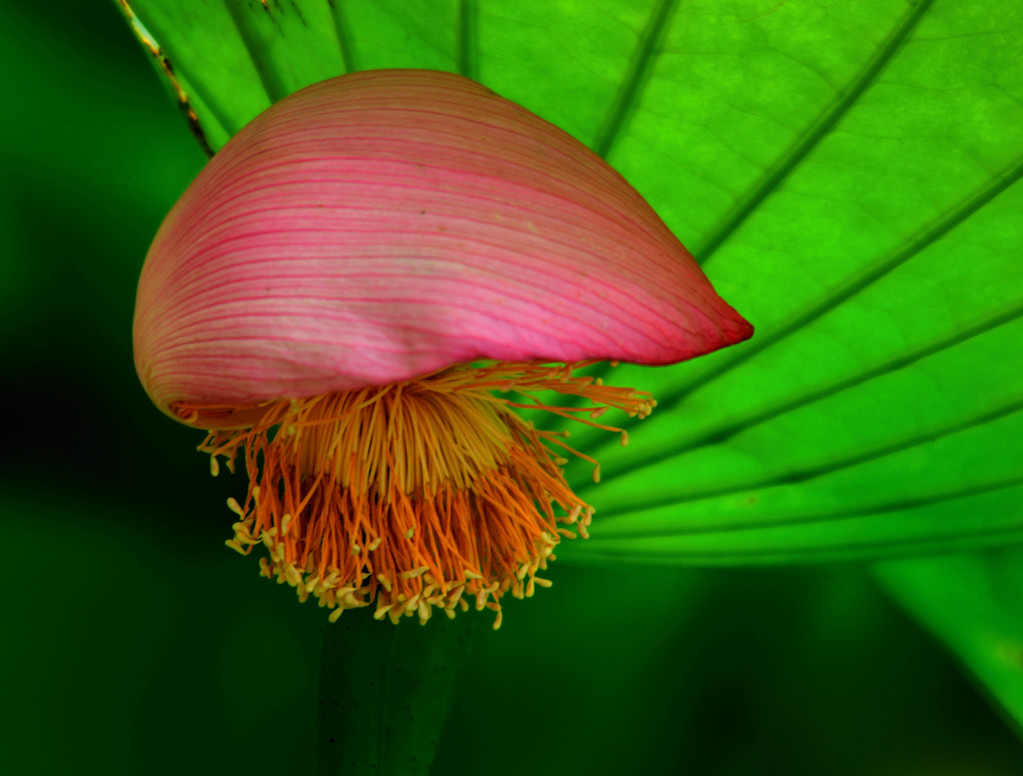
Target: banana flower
{"points": [[359, 295]]}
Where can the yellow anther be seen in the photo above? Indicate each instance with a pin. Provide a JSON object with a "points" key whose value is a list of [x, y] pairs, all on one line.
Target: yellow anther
{"points": [[234, 545]]}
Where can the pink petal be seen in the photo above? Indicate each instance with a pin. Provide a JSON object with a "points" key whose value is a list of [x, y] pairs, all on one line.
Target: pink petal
{"points": [[385, 224]]}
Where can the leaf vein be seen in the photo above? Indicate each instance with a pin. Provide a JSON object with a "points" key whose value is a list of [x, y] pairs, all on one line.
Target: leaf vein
{"points": [[777, 173], [268, 76], [341, 32], [635, 76], [867, 550], [843, 293], [467, 38], [818, 470], [721, 433]]}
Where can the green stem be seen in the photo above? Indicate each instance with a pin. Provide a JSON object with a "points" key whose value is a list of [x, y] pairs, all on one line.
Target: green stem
{"points": [[385, 691]]}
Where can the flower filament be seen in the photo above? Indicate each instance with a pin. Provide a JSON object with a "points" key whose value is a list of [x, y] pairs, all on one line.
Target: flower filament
{"points": [[429, 493]]}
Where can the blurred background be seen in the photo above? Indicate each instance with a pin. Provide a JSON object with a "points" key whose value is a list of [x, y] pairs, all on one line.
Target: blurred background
{"points": [[135, 642]]}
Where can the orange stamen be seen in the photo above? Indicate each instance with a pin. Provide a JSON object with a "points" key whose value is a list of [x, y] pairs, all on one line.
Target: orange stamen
{"points": [[427, 493]]}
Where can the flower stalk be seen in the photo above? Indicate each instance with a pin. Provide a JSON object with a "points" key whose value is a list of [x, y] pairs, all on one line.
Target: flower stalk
{"points": [[385, 693]]}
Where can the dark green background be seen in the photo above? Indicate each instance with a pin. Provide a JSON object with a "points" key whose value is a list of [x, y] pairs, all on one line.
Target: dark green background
{"points": [[134, 642]]}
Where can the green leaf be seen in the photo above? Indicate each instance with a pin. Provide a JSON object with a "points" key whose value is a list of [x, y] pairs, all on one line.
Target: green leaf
{"points": [[974, 604], [848, 174]]}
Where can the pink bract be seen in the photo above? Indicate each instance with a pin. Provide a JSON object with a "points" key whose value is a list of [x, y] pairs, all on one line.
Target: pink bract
{"points": [[385, 224]]}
